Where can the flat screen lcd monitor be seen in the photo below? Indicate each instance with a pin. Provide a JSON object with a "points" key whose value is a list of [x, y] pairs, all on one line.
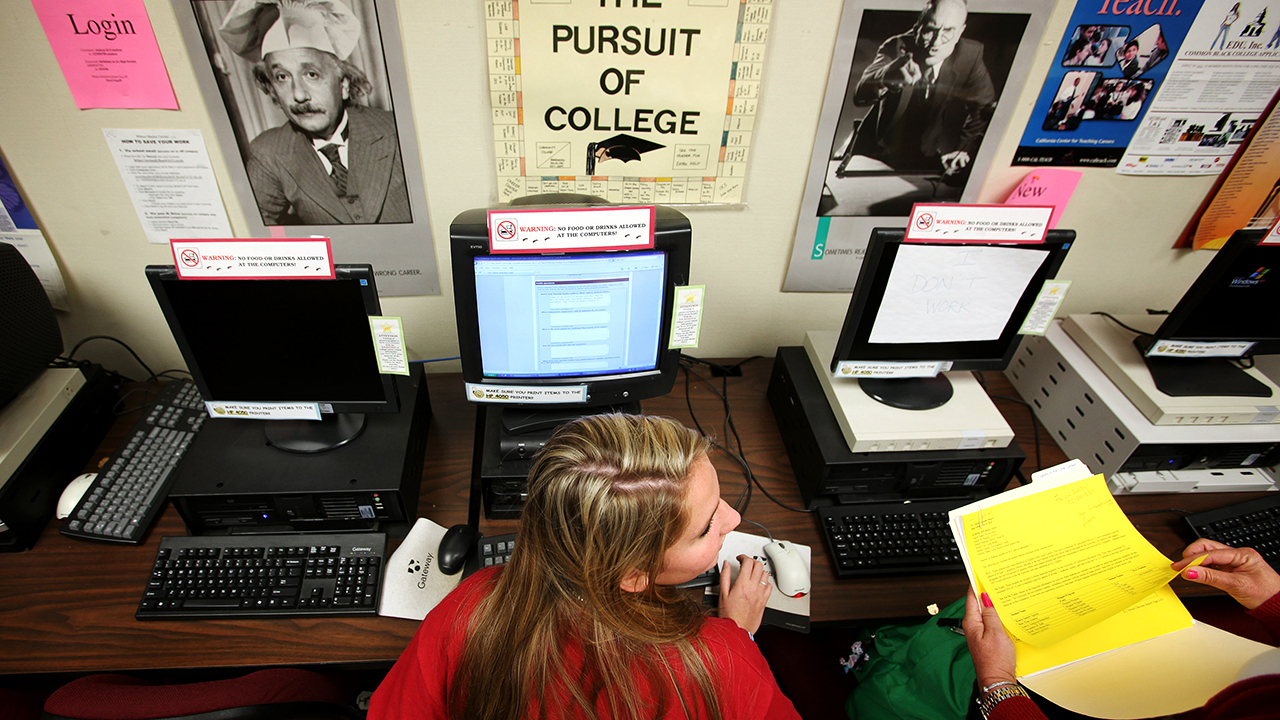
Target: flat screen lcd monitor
{"points": [[278, 341], [1228, 313], [958, 306], [597, 323]]}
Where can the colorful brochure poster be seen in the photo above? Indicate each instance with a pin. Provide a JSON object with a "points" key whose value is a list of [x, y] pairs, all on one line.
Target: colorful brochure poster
{"points": [[1113, 58], [107, 52], [633, 102], [1220, 83]]}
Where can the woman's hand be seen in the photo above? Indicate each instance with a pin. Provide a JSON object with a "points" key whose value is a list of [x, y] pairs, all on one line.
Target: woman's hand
{"points": [[744, 602], [1240, 572], [989, 644]]}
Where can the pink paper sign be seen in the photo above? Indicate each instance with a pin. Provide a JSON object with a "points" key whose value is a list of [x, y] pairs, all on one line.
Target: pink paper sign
{"points": [[107, 52], [1046, 186]]}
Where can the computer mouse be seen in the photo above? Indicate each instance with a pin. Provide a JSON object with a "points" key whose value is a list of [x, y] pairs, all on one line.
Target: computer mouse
{"points": [[72, 493], [456, 546], [789, 571]]}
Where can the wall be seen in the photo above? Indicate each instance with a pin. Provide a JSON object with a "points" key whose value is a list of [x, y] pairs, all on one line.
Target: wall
{"points": [[1122, 262]]}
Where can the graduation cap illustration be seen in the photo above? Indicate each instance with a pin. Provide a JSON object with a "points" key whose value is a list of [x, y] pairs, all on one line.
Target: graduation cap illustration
{"points": [[619, 147]]}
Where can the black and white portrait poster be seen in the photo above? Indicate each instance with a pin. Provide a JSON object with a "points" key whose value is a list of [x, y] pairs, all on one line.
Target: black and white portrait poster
{"points": [[316, 107], [919, 94]]}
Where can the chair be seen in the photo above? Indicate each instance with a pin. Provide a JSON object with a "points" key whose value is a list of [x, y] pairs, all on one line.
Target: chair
{"points": [[279, 694]]}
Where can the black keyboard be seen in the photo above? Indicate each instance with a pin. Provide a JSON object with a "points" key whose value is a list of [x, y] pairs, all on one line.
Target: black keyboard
{"points": [[292, 575], [495, 550], [131, 488], [1252, 523], [891, 538]]}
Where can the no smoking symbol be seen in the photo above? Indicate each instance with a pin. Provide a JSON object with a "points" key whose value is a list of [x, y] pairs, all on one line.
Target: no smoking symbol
{"points": [[925, 221], [506, 229], [190, 258]]}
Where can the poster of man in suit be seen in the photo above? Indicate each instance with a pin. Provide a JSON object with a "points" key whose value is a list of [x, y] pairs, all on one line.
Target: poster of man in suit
{"points": [[918, 95], [308, 89]]}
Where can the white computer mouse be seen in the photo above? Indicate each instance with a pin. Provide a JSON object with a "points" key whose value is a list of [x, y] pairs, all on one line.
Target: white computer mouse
{"points": [[72, 494], [789, 571]]}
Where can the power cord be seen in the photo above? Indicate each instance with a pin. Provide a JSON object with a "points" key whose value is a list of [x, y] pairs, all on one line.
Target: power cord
{"points": [[71, 362], [740, 455]]}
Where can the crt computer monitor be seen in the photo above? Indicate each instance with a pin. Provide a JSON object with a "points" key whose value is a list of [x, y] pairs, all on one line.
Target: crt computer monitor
{"points": [[952, 304], [567, 319], [1234, 300], [283, 340]]}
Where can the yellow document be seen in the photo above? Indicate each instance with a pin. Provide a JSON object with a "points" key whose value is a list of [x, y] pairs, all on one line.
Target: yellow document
{"points": [[1060, 560], [1159, 613]]}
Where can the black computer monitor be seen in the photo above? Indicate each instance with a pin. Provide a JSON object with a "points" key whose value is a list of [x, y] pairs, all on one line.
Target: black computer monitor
{"points": [[594, 321], [1233, 301], [278, 341], [970, 321]]}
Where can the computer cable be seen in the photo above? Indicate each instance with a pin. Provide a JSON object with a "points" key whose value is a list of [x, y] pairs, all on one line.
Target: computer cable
{"points": [[151, 375], [744, 498], [1244, 363], [740, 457], [1035, 427]]}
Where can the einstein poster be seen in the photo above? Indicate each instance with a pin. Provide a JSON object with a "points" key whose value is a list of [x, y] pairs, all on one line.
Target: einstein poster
{"points": [[918, 96], [634, 102], [317, 110]]}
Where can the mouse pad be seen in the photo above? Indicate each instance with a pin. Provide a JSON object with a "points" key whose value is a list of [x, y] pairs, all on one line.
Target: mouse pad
{"points": [[412, 584], [786, 612]]}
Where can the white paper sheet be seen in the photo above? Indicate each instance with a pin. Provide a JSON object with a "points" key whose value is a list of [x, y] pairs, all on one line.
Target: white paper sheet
{"points": [[944, 293], [171, 183]]}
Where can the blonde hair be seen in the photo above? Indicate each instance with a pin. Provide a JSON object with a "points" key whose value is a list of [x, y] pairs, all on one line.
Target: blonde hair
{"points": [[606, 498]]}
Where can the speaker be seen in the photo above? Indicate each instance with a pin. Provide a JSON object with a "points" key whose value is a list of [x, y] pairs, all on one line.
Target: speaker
{"points": [[29, 334]]}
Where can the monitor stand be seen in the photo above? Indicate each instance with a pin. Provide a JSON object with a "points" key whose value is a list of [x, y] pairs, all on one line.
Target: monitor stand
{"points": [[924, 393], [332, 431], [969, 420], [1199, 377]]}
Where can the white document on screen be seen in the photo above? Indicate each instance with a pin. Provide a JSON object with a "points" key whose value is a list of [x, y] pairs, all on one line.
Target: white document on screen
{"points": [[946, 293]]}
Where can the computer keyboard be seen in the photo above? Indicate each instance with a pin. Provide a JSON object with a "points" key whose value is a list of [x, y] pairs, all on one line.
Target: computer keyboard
{"points": [[1252, 523], [132, 486], [292, 575], [496, 550], [891, 538]]}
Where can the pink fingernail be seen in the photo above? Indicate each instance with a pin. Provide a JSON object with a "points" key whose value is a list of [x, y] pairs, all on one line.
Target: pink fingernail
{"points": [[1192, 575], [986, 601]]}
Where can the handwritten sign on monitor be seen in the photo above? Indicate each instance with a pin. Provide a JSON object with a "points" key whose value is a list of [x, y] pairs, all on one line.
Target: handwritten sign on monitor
{"points": [[942, 293]]}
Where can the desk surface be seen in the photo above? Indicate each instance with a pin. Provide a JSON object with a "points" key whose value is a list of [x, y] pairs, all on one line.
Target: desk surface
{"points": [[68, 605]]}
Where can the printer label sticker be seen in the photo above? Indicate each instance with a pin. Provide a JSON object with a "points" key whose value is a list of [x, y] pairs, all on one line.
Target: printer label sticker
{"points": [[477, 392], [264, 411]]}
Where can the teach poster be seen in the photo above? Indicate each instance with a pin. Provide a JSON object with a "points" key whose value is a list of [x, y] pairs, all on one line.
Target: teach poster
{"points": [[1112, 60], [635, 102]]}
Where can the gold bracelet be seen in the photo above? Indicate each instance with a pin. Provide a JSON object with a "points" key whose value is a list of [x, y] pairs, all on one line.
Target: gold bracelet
{"points": [[987, 702]]}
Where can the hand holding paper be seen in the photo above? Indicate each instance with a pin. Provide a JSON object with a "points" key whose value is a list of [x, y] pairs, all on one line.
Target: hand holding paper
{"points": [[1240, 572]]}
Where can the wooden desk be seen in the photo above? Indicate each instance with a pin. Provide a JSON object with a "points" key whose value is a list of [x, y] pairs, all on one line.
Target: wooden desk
{"points": [[68, 605]]}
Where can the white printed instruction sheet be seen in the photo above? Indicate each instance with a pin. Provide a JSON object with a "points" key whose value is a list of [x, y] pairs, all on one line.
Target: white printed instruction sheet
{"points": [[171, 183]]}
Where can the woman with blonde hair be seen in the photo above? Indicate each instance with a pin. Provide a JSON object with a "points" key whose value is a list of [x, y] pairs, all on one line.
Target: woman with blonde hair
{"points": [[583, 622]]}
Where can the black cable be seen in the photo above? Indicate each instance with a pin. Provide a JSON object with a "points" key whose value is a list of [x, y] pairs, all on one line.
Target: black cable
{"points": [[742, 460], [1113, 319], [1035, 428], [744, 498], [151, 375]]}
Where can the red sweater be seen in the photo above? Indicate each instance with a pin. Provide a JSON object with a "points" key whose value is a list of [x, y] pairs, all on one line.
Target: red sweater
{"points": [[1256, 698], [418, 685]]}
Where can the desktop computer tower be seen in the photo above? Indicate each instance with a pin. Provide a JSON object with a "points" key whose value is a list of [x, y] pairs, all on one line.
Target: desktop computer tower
{"points": [[828, 473], [48, 433], [232, 482]]}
